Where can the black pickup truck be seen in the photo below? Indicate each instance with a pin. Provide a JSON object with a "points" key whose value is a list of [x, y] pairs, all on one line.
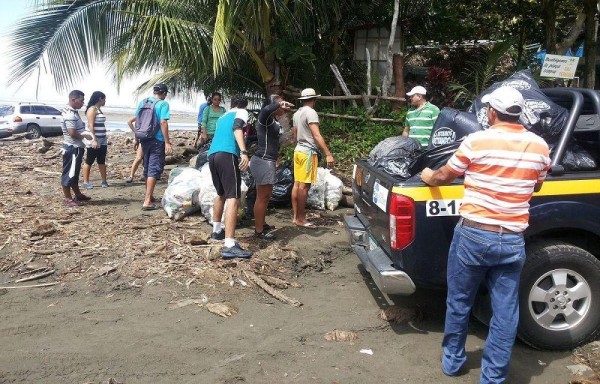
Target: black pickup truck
{"points": [[401, 230]]}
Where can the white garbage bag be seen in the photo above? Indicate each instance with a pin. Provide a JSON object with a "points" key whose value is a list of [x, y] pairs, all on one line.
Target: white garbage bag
{"points": [[179, 194], [333, 191], [206, 197]]}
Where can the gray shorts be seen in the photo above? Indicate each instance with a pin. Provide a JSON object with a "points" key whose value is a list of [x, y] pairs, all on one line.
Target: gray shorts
{"points": [[262, 170]]}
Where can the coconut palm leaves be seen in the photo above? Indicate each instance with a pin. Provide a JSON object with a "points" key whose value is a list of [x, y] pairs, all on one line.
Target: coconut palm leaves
{"points": [[189, 43]]}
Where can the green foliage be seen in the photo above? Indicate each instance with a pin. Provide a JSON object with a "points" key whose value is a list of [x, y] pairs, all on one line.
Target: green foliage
{"points": [[481, 72]]}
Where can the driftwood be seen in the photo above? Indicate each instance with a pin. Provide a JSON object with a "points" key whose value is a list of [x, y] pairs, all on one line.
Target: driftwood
{"points": [[270, 290], [35, 277], [39, 170], [350, 97], [340, 79], [32, 286], [377, 119]]}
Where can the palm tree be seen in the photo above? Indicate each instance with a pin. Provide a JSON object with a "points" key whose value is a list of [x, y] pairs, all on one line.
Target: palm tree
{"points": [[191, 44]]}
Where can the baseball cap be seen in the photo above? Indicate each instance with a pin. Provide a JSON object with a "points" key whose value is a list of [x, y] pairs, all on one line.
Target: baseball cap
{"points": [[418, 89], [160, 87], [505, 100], [308, 93]]}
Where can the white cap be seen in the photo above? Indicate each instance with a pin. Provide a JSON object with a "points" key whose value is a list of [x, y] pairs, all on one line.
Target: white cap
{"points": [[418, 89], [505, 100], [308, 93]]}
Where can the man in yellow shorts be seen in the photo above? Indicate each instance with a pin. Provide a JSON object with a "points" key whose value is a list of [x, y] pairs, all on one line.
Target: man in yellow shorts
{"points": [[309, 140]]}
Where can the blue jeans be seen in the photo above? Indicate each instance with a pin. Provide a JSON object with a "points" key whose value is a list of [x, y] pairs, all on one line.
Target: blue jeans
{"points": [[496, 259]]}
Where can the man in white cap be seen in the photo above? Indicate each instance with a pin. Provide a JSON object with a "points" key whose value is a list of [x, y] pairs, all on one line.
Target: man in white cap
{"points": [[502, 166], [421, 117], [306, 160]]}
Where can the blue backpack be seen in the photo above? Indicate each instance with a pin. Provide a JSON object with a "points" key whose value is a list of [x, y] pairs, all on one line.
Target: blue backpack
{"points": [[146, 122]]}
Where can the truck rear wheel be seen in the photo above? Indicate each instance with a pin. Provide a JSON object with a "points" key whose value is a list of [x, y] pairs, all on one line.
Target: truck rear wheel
{"points": [[559, 296]]}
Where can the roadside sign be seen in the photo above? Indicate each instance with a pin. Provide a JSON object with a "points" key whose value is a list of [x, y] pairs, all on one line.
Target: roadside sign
{"points": [[558, 66]]}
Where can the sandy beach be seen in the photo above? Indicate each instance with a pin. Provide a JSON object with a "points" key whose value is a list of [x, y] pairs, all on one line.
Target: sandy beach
{"points": [[108, 293]]}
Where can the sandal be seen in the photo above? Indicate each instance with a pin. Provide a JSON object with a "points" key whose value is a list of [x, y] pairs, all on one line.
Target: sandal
{"points": [[71, 203], [82, 197], [152, 207]]}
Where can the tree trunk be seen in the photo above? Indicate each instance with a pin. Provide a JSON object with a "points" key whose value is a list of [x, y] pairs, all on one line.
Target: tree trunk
{"points": [[549, 14], [400, 90], [387, 80], [574, 33], [589, 48]]}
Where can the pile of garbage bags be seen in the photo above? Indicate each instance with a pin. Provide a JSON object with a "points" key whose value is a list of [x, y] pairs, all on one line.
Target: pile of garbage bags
{"points": [[542, 116], [191, 190], [403, 159]]}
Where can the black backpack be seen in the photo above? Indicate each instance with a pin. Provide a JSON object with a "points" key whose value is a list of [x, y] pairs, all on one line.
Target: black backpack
{"points": [[146, 122]]}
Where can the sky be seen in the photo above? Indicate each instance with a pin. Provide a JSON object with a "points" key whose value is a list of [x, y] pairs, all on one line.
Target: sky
{"points": [[12, 11]]}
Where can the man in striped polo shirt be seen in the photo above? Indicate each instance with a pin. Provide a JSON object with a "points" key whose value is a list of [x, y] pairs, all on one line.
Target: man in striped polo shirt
{"points": [[502, 167], [420, 119]]}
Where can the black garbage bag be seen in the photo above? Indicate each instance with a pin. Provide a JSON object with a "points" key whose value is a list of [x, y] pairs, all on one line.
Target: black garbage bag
{"points": [[250, 194], [284, 183], [398, 168], [577, 158], [452, 125], [433, 158], [542, 116], [202, 156], [394, 148]]}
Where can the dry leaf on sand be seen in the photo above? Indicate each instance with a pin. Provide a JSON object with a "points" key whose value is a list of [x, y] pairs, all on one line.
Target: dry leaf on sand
{"points": [[221, 309], [337, 335]]}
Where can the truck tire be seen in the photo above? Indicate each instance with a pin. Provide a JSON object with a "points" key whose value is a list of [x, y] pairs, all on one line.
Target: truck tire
{"points": [[559, 296]]}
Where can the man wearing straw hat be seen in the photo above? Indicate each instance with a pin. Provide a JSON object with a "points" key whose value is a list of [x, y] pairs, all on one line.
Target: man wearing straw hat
{"points": [[306, 160]]}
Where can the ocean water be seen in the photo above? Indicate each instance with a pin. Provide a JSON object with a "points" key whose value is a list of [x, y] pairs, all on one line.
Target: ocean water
{"points": [[121, 126]]}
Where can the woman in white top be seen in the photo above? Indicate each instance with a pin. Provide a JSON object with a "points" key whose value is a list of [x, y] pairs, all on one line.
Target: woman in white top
{"points": [[97, 147]]}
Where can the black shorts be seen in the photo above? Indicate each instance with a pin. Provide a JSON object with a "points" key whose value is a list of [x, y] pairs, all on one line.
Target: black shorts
{"points": [[225, 172], [96, 154], [72, 158]]}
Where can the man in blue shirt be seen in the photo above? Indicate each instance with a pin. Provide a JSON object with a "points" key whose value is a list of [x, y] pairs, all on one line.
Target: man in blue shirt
{"points": [[226, 157], [155, 148]]}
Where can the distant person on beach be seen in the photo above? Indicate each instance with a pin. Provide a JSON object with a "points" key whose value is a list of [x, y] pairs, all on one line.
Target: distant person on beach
{"points": [[210, 115], [73, 148], [139, 155], [155, 148], [263, 163], [306, 159], [227, 156], [201, 110], [96, 148]]}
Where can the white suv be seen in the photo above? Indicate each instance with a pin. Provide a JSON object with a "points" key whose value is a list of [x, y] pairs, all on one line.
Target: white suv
{"points": [[36, 119]]}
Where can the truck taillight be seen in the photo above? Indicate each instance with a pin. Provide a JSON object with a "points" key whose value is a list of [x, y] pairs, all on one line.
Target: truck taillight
{"points": [[402, 221], [357, 175], [18, 119]]}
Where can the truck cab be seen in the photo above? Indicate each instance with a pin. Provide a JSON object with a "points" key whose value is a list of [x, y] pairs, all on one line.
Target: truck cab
{"points": [[401, 231]]}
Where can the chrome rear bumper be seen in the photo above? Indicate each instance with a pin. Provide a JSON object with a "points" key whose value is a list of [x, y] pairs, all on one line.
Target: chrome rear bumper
{"points": [[388, 279]]}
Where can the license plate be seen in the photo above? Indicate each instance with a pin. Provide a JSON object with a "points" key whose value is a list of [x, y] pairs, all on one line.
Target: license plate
{"points": [[442, 207]]}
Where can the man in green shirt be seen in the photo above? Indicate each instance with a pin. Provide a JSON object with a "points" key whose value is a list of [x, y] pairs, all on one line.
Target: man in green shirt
{"points": [[421, 117]]}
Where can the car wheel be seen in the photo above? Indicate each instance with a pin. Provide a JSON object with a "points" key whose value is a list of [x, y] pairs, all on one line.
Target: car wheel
{"points": [[559, 297], [33, 131]]}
